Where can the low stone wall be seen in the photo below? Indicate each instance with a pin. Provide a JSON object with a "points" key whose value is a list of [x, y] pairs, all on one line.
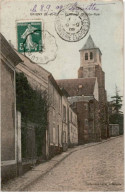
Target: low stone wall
{"points": [[90, 137], [65, 147], [54, 150], [113, 130], [71, 145]]}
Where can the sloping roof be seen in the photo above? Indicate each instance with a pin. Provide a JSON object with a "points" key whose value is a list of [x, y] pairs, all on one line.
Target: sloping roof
{"points": [[39, 71], [55, 84], [89, 44], [77, 87], [8, 51]]}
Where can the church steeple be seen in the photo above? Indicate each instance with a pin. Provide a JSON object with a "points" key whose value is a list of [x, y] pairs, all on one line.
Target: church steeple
{"points": [[89, 44], [90, 56]]}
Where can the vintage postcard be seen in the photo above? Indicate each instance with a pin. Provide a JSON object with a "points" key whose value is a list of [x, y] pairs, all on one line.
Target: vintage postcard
{"points": [[62, 95]]}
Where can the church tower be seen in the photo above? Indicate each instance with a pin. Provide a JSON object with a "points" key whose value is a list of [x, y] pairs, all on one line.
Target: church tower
{"points": [[91, 66], [90, 56]]}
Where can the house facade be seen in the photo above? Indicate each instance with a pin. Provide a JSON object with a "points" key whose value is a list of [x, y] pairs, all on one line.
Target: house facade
{"points": [[54, 118], [58, 120], [56, 139], [38, 79], [65, 110], [72, 129], [9, 135]]}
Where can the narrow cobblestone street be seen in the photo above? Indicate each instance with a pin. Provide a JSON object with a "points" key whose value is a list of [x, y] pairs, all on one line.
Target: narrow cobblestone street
{"points": [[96, 168]]}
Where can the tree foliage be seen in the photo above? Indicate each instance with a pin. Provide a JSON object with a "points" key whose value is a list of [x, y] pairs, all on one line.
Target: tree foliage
{"points": [[117, 101], [117, 116]]}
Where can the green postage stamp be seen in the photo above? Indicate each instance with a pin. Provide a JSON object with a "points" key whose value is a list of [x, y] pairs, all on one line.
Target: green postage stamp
{"points": [[29, 36]]}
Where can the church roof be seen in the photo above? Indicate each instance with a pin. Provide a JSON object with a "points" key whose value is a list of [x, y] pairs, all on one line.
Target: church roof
{"points": [[78, 87], [89, 44]]}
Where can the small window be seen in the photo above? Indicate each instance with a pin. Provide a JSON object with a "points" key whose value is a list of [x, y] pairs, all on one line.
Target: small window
{"points": [[86, 106], [64, 137], [86, 56], [71, 116], [86, 122], [64, 113], [54, 135], [91, 55], [54, 114]]}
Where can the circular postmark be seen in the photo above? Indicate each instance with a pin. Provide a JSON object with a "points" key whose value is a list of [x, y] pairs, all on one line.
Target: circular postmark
{"points": [[47, 51], [72, 23]]}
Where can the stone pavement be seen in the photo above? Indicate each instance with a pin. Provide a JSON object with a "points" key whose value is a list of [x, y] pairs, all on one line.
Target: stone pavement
{"points": [[32, 176]]}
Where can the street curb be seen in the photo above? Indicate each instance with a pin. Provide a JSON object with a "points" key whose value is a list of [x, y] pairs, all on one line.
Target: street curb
{"points": [[42, 175], [59, 161]]}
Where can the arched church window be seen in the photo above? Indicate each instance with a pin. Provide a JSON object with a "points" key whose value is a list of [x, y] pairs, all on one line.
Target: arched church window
{"points": [[86, 56], [91, 55]]}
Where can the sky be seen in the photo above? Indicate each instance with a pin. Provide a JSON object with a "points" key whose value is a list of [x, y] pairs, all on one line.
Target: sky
{"points": [[106, 30]]}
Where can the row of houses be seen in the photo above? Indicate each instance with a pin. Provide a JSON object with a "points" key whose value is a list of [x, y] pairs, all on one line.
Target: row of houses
{"points": [[21, 146], [41, 116]]}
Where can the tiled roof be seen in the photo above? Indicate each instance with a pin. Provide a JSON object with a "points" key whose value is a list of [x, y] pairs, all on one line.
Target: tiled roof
{"points": [[77, 87], [8, 51]]}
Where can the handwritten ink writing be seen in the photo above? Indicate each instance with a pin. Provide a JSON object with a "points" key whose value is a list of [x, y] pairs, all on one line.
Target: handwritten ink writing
{"points": [[34, 8], [49, 10], [92, 6]]}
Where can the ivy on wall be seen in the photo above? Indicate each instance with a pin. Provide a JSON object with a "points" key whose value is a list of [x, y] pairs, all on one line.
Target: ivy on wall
{"points": [[33, 107]]}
